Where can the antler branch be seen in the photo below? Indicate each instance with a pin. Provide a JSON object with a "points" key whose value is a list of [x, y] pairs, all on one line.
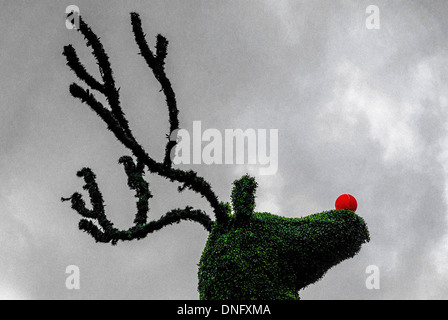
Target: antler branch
{"points": [[102, 229], [118, 124], [157, 64], [108, 87]]}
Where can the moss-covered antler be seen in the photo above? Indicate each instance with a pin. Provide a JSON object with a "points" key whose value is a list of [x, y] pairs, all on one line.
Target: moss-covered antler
{"points": [[118, 124], [95, 221]]}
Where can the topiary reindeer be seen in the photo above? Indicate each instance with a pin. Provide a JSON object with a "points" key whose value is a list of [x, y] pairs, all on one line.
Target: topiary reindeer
{"points": [[248, 255]]}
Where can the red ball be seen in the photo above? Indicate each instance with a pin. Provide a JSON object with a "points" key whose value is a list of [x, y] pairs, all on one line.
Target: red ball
{"points": [[346, 202]]}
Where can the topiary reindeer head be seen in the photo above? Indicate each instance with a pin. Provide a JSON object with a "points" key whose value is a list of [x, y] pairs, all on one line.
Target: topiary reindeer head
{"points": [[249, 255], [257, 255]]}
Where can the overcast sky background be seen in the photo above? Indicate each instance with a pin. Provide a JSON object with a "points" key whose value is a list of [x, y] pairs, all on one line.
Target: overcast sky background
{"points": [[358, 111]]}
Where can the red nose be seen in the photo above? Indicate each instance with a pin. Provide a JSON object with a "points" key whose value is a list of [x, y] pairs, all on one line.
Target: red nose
{"points": [[346, 201]]}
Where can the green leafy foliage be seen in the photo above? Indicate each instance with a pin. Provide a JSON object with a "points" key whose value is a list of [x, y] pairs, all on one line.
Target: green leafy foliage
{"points": [[269, 257]]}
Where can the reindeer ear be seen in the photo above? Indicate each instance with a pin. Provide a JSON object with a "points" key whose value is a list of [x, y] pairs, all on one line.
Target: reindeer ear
{"points": [[243, 197]]}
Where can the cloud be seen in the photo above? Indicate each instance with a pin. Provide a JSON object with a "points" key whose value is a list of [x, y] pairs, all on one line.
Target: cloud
{"points": [[284, 11], [390, 120], [8, 292]]}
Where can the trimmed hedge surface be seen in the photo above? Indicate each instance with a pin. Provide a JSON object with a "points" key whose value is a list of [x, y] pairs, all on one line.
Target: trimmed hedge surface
{"points": [[260, 256]]}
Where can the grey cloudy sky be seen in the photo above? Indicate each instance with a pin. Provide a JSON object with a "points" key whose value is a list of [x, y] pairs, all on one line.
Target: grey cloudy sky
{"points": [[358, 111]]}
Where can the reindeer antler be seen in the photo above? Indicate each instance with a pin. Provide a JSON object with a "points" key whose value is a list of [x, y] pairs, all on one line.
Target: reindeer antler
{"points": [[118, 124]]}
